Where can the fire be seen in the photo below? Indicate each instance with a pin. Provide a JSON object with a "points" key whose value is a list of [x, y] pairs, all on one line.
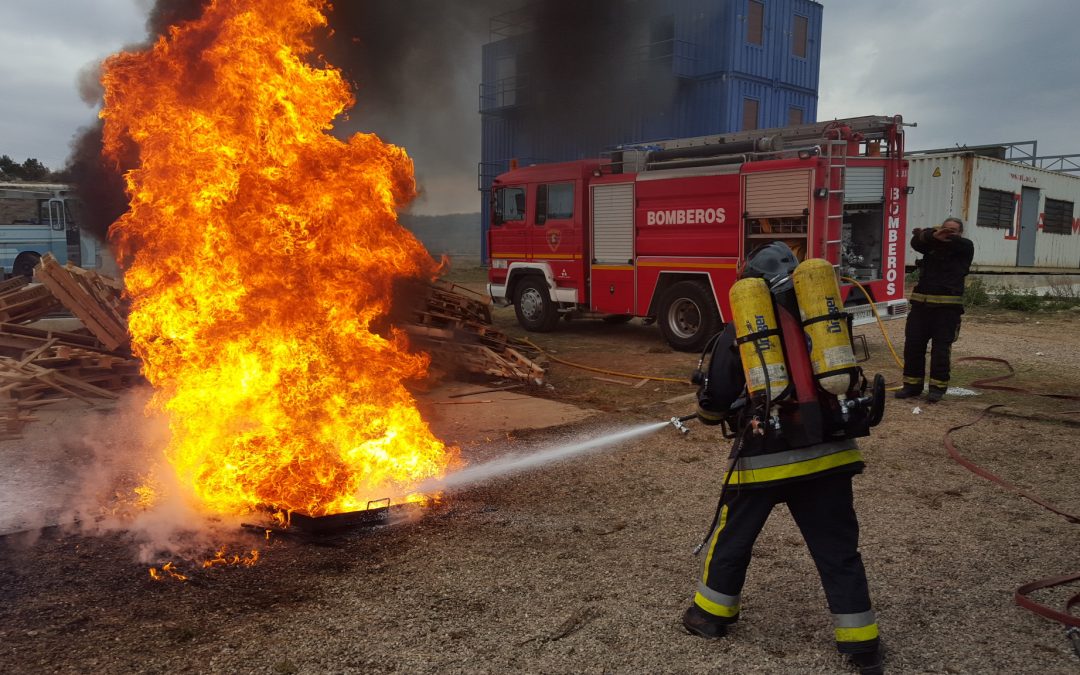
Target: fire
{"points": [[261, 253], [168, 571], [221, 559]]}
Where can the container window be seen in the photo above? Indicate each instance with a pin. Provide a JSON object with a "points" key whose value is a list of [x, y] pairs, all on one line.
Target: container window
{"points": [[996, 208], [755, 22], [749, 114], [509, 204], [1058, 217], [794, 116], [555, 202], [798, 36]]}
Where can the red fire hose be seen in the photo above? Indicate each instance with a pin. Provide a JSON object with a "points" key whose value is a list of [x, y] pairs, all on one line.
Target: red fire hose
{"points": [[1022, 594]]}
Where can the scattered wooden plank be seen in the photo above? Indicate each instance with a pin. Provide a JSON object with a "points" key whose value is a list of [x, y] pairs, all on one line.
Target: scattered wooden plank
{"points": [[613, 380]]}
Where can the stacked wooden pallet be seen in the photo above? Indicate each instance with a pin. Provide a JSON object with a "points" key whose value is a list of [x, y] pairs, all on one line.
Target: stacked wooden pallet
{"points": [[454, 326], [95, 299], [23, 301]]}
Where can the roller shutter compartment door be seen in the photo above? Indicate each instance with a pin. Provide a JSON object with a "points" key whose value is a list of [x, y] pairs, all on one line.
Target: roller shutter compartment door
{"points": [[613, 224], [864, 184], [784, 193]]}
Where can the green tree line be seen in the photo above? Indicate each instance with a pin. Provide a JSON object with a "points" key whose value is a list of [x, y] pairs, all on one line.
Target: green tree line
{"points": [[32, 170]]}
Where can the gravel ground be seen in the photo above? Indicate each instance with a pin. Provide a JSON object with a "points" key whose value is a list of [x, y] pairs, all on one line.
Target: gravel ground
{"points": [[585, 565]]}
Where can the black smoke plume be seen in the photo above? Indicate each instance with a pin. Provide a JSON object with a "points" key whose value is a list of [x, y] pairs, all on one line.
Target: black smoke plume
{"points": [[415, 67]]}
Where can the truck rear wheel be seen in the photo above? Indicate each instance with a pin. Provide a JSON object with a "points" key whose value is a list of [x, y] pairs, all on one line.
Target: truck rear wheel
{"points": [[535, 309], [24, 264], [688, 316]]}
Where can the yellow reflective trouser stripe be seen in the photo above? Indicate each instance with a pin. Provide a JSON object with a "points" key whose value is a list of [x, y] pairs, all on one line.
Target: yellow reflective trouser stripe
{"points": [[711, 606], [714, 608], [712, 546], [796, 469], [912, 380], [937, 299], [860, 634], [938, 383]]}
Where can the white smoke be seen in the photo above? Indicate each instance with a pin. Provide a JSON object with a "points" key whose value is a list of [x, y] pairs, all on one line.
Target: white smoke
{"points": [[99, 463]]}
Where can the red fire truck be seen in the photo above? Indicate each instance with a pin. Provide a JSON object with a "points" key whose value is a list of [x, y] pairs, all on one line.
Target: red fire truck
{"points": [[658, 230]]}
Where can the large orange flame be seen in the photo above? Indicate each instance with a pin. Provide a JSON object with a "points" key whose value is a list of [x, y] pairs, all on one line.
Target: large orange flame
{"points": [[261, 256]]}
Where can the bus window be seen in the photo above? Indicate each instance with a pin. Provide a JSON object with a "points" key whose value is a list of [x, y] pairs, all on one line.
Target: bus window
{"points": [[54, 214]]}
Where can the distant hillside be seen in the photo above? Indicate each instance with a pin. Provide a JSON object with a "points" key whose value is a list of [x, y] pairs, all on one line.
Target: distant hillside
{"points": [[456, 235]]}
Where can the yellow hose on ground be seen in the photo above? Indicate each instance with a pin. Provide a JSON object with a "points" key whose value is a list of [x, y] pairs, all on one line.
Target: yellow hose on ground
{"points": [[601, 370], [869, 299]]}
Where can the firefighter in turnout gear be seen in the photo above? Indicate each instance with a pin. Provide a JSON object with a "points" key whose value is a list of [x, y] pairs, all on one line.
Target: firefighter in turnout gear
{"points": [[937, 302], [781, 455]]}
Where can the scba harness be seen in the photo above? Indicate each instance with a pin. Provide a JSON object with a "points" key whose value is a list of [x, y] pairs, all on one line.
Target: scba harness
{"points": [[802, 383]]}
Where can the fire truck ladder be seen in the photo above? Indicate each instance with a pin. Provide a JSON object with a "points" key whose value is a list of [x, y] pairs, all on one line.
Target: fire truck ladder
{"points": [[674, 153], [835, 174], [870, 127]]}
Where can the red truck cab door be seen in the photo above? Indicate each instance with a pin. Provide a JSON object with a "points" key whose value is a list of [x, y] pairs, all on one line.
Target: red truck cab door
{"points": [[556, 230]]}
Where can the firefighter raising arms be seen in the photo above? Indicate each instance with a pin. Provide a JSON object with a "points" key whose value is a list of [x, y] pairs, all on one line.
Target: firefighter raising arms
{"points": [[937, 302], [794, 444]]}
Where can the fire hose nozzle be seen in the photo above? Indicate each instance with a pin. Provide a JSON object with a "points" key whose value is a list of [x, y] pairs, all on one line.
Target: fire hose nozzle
{"points": [[677, 422]]}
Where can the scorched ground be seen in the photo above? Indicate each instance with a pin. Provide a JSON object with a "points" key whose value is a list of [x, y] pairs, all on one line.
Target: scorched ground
{"points": [[585, 566]]}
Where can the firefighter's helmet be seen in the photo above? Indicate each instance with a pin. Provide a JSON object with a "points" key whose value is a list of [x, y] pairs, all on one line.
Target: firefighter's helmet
{"points": [[774, 262]]}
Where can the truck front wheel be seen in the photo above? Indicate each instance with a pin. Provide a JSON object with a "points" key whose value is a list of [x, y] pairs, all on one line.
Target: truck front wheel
{"points": [[688, 316], [535, 309]]}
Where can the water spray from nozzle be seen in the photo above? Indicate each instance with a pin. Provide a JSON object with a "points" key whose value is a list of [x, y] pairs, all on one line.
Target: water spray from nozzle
{"points": [[512, 464]]}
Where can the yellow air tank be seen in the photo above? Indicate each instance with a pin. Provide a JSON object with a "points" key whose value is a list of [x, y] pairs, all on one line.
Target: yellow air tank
{"points": [[752, 312], [829, 340]]}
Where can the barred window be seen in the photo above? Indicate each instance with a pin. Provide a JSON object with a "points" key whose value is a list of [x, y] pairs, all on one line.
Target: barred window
{"points": [[996, 208], [1058, 216]]}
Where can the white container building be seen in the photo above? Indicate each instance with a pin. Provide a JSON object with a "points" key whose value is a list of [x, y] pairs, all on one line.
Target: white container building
{"points": [[1022, 219]]}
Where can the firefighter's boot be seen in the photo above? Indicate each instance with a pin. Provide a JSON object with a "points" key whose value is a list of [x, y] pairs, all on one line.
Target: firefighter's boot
{"points": [[936, 394], [869, 663], [909, 390], [702, 624]]}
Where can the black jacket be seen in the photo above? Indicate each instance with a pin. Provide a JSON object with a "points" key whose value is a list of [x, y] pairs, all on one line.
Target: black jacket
{"points": [[944, 263], [726, 380]]}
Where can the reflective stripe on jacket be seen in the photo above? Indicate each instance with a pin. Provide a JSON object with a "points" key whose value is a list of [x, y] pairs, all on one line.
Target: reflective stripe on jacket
{"points": [[769, 468]]}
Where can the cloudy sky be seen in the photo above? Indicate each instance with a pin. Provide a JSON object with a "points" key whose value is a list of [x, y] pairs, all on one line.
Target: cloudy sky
{"points": [[967, 71]]}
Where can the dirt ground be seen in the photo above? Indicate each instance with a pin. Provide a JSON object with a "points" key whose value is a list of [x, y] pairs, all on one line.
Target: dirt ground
{"points": [[585, 565]]}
